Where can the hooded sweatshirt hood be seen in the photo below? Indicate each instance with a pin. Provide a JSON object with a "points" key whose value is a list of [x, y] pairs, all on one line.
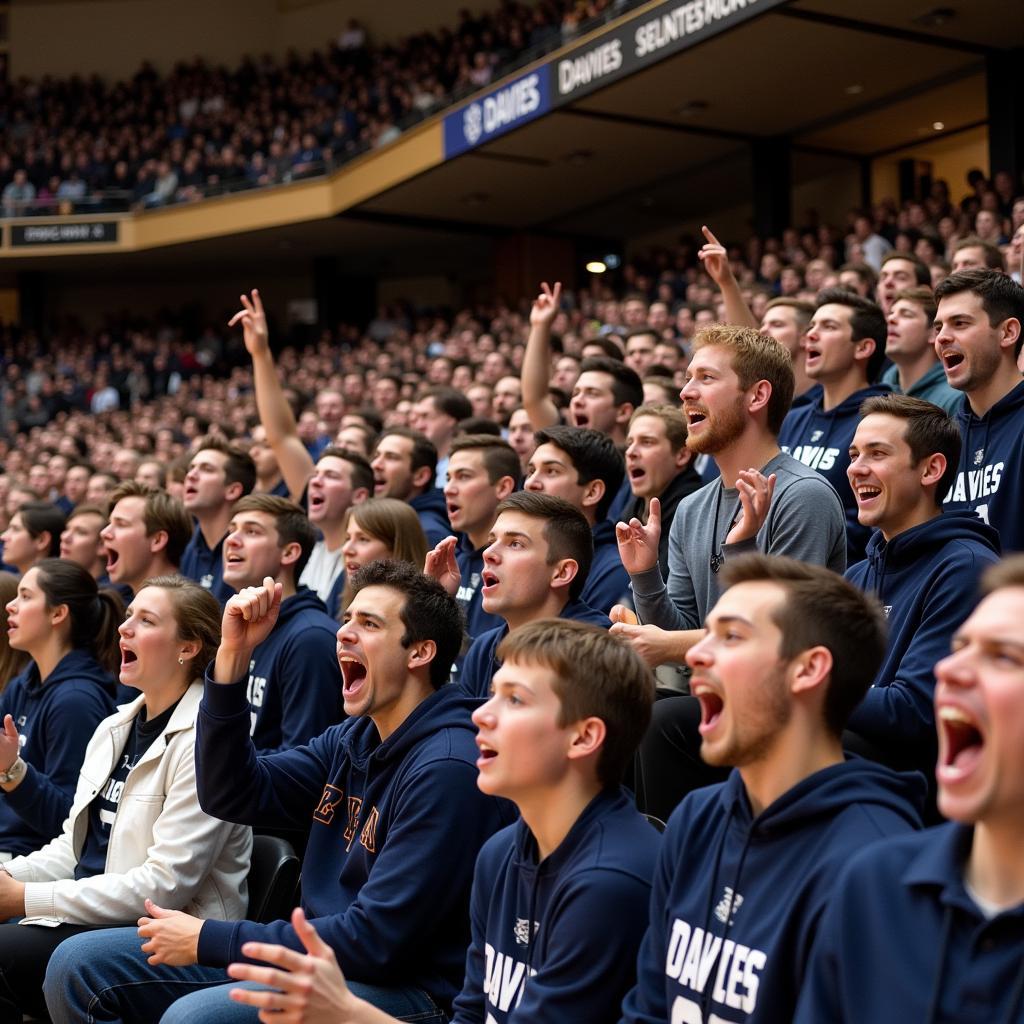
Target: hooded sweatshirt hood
{"points": [[743, 892], [433, 512], [926, 580]]}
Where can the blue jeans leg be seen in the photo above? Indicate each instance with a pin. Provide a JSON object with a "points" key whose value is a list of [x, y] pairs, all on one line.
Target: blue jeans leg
{"points": [[103, 976], [215, 1006]]}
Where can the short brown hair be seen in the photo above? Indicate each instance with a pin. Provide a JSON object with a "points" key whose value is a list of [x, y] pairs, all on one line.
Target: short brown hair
{"points": [[292, 524], [1008, 572], [923, 297], [992, 253], [755, 356], [160, 512], [822, 609], [595, 675], [929, 430], [362, 471], [499, 457], [671, 416], [802, 309], [238, 467]]}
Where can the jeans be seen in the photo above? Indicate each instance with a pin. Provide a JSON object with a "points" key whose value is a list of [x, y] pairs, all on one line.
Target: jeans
{"points": [[103, 976]]}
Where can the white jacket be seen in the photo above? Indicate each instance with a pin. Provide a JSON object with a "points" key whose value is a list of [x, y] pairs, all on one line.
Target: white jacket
{"points": [[162, 845]]}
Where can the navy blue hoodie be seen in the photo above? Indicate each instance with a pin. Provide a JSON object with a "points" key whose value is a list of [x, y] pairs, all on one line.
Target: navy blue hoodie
{"points": [[481, 663], [990, 476], [822, 440], [471, 566], [56, 720], [926, 579], [294, 685], [430, 506], [556, 941], [902, 942], [736, 899], [205, 566], [396, 828], [607, 582]]}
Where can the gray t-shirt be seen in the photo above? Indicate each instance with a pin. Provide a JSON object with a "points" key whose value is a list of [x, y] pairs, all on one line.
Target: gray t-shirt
{"points": [[805, 521]]}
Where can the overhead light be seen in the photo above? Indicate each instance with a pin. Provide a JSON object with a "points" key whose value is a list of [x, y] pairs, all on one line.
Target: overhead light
{"points": [[938, 126], [612, 261], [693, 109], [854, 90], [935, 18], [596, 267]]}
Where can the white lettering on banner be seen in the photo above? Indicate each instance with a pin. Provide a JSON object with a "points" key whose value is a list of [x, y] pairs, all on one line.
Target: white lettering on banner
{"points": [[508, 105], [686, 19], [602, 60]]}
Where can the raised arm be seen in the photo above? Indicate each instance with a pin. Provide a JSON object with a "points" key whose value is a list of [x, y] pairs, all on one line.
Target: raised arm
{"points": [[295, 463], [536, 372], [716, 263]]}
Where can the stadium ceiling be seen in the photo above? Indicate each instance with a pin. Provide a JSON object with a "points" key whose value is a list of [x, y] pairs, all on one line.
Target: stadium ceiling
{"points": [[673, 139]]}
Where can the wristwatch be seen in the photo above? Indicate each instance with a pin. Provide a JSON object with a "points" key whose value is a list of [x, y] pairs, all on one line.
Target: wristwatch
{"points": [[15, 773]]}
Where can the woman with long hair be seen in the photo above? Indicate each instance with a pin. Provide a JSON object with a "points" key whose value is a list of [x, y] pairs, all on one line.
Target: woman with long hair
{"points": [[381, 528], [68, 628], [11, 661], [135, 831]]}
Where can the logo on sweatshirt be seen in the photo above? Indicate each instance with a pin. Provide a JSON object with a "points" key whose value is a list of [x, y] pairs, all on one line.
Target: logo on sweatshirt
{"points": [[816, 435], [887, 608], [728, 905], [522, 930], [979, 456]]}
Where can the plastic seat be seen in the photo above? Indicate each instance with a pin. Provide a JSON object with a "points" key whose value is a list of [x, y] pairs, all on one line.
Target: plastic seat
{"points": [[273, 879]]}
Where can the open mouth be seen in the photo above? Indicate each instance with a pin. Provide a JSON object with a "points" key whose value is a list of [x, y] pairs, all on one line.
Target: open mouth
{"points": [[951, 358], [581, 419], [695, 416], [353, 674], [233, 559], [961, 743], [452, 509], [867, 493], [812, 355], [489, 581], [315, 501], [636, 473], [128, 657], [487, 753], [711, 707], [112, 559]]}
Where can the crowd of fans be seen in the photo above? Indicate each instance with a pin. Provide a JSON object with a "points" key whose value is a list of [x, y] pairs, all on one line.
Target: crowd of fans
{"points": [[715, 531], [77, 145]]}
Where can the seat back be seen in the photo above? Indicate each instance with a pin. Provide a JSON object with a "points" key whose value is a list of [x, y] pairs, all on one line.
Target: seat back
{"points": [[273, 877]]}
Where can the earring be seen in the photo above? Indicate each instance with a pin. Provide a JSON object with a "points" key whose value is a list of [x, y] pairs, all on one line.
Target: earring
{"points": [[181, 661]]}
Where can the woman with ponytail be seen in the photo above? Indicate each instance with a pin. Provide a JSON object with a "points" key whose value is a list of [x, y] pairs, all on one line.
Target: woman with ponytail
{"points": [[68, 628], [135, 832]]}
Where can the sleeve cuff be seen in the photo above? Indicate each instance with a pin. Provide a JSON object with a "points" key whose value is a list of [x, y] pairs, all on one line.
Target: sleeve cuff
{"points": [[39, 899], [224, 700], [648, 584], [216, 939]]}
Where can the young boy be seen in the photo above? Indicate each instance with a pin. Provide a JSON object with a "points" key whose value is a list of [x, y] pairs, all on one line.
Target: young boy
{"points": [[559, 899]]}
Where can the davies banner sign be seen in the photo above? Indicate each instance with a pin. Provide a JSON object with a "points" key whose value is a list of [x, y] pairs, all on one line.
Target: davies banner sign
{"points": [[642, 41]]}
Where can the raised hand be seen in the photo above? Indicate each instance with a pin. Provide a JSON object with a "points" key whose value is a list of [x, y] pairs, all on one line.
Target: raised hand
{"points": [[545, 306], [254, 324], [10, 744], [756, 492], [250, 615], [715, 258], [440, 565], [638, 544]]}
